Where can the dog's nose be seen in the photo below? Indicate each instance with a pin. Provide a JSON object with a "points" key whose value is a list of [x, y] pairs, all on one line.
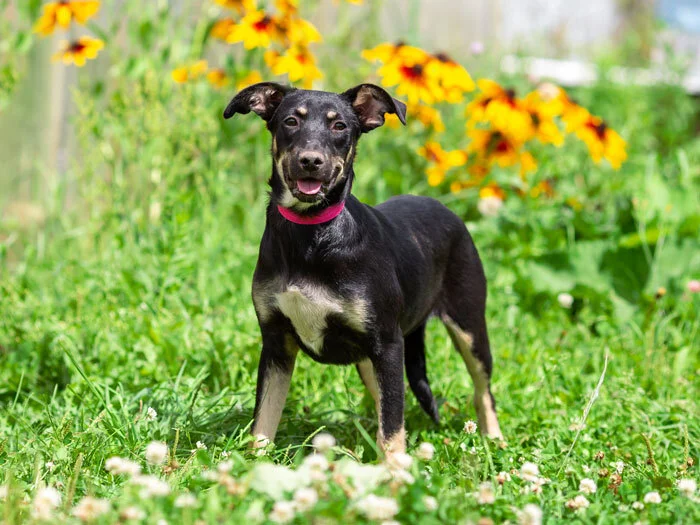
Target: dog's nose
{"points": [[310, 160]]}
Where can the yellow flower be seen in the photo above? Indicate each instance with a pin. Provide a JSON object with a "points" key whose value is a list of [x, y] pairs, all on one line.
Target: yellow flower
{"points": [[502, 109], [297, 31], [492, 190], [256, 29], [405, 67], [297, 63], [573, 115], [429, 116], [191, 72], [61, 14], [602, 142], [287, 7], [542, 114], [493, 147], [251, 78], [218, 78], [442, 160], [454, 79], [239, 5], [527, 164], [222, 28], [78, 51]]}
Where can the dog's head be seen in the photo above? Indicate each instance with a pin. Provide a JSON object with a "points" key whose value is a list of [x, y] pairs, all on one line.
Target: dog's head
{"points": [[314, 134]]}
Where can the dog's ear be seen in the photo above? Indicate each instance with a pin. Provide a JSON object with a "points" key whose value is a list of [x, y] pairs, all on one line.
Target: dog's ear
{"points": [[262, 98], [370, 103]]}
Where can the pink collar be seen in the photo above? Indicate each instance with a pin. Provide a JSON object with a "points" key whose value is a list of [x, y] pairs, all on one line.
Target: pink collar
{"points": [[326, 215]]}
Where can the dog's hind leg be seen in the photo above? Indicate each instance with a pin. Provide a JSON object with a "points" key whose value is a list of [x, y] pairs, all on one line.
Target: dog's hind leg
{"points": [[414, 351], [464, 309]]}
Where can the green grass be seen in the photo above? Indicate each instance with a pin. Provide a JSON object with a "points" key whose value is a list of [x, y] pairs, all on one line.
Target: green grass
{"points": [[161, 317]]}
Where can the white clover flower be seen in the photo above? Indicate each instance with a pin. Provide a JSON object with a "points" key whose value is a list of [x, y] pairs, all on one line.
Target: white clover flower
{"points": [[463, 447], [186, 499], [687, 487], [398, 461], [485, 496], [255, 513], [116, 465], [225, 454], [638, 505], [378, 508], [470, 427], [132, 513], [90, 508], [50, 465], [305, 499], [156, 452], [531, 515], [152, 486], [565, 300], [587, 486], [489, 206], [623, 508], [47, 499], [316, 462], [619, 466], [579, 502], [430, 503], [151, 414], [535, 488], [282, 512], [403, 476], [586, 469], [652, 497], [425, 451], [529, 471], [224, 467], [200, 446], [3, 492], [502, 477], [323, 442], [390, 522]]}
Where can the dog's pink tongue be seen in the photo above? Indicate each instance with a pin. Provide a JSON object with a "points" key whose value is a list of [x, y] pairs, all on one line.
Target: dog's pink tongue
{"points": [[309, 186]]}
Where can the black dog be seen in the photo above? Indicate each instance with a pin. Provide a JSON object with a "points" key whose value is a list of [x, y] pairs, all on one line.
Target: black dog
{"points": [[351, 284]]}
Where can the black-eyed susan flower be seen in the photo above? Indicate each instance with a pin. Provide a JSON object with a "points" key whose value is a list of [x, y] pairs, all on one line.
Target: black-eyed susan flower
{"points": [[188, 73], [62, 13], [543, 188], [251, 78], [501, 108], [427, 115], [542, 113], [256, 29], [287, 7], [297, 63], [241, 6], [297, 31], [493, 147], [453, 77], [218, 78], [441, 161], [602, 141], [222, 28], [79, 51]]}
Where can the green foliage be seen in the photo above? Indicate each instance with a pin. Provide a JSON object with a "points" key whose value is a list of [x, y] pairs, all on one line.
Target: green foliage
{"points": [[137, 295]]}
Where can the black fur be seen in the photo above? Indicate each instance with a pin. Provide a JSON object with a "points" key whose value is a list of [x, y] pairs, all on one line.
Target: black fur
{"points": [[407, 259]]}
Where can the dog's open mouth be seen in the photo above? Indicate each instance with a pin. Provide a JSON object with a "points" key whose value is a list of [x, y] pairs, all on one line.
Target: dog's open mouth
{"points": [[309, 186]]}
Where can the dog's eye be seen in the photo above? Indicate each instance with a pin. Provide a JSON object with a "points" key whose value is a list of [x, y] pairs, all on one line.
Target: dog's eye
{"points": [[290, 121], [339, 126]]}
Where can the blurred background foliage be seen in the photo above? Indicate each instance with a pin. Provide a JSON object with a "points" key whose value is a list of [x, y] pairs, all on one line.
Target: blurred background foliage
{"points": [[128, 187]]}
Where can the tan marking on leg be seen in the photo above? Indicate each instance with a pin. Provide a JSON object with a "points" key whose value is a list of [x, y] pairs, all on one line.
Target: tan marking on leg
{"points": [[464, 341], [274, 396], [396, 443]]}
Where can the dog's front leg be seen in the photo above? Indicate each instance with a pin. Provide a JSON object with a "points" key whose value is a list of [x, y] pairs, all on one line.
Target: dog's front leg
{"points": [[274, 375], [388, 367]]}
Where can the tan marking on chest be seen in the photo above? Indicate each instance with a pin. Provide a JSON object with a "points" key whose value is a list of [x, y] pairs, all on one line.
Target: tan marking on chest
{"points": [[308, 306]]}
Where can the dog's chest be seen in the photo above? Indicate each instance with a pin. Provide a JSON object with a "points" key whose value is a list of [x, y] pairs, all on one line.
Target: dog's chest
{"points": [[308, 307]]}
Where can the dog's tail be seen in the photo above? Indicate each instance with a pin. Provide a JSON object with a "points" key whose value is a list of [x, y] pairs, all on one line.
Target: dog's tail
{"points": [[414, 348]]}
